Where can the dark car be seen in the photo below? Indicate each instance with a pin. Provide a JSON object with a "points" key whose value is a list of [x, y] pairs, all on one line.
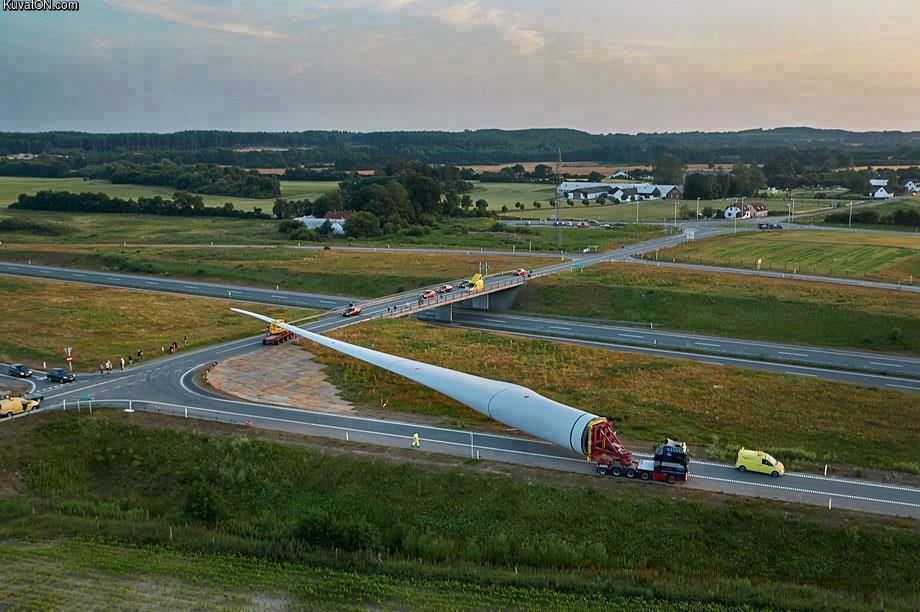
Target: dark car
{"points": [[465, 285], [776, 226], [17, 369], [60, 375], [763, 226], [34, 397]]}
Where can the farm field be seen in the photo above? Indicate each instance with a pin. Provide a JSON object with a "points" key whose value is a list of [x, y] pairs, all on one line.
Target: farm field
{"points": [[651, 210], [358, 274], [115, 229], [102, 323], [506, 194], [157, 512], [876, 256], [733, 306], [649, 398], [11, 187]]}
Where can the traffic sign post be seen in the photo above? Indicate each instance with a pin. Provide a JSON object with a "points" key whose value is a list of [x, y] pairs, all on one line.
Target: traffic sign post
{"points": [[68, 355]]}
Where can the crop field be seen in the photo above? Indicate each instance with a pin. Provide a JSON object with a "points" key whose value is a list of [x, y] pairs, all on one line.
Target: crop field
{"points": [[651, 210], [708, 302], [11, 187], [649, 398], [884, 257], [349, 273], [115, 511], [40, 318]]}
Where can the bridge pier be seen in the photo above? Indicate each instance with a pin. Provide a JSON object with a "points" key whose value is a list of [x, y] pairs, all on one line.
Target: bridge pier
{"points": [[444, 314], [479, 302]]}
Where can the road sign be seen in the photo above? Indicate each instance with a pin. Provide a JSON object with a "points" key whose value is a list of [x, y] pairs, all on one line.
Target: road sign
{"points": [[69, 358]]}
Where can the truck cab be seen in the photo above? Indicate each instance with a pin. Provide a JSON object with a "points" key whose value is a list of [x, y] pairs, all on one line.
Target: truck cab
{"points": [[670, 463], [760, 462]]}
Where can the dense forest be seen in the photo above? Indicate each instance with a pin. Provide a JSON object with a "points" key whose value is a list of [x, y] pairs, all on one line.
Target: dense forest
{"points": [[353, 150], [200, 178]]}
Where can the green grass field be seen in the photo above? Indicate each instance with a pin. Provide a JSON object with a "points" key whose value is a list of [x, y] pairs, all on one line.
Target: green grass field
{"points": [[506, 194], [734, 306], [11, 187], [883, 208], [472, 234], [649, 398], [102, 323], [358, 274], [886, 257], [652, 210], [116, 511]]}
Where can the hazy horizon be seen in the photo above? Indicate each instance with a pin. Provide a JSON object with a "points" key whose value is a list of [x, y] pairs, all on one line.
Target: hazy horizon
{"points": [[384, 65]]}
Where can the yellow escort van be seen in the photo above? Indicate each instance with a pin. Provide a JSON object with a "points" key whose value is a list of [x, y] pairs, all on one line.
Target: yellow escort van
{"points": [[759, 461]]}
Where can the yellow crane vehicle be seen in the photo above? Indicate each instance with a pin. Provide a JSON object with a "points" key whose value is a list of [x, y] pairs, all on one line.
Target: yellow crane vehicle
{"points": [[17, 405]]}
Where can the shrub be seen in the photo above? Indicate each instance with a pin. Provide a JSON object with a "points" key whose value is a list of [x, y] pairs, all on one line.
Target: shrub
{"points": [[202, 503]]}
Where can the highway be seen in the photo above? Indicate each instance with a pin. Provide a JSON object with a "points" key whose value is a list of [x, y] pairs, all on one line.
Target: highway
{"points": [[688, 344], [167, 385]]}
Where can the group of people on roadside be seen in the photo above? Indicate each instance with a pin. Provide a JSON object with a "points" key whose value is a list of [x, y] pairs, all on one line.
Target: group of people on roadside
{"points": [[108, 368]]}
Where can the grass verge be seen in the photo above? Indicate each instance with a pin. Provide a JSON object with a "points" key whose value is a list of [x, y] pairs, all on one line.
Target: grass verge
{"points": [[170, 516], [733, 306], [100, 323], [804, 422], [873, 256]]}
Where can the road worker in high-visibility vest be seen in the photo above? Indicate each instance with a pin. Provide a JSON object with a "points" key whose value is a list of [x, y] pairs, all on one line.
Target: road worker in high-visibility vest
{"points": [[415, 440]]}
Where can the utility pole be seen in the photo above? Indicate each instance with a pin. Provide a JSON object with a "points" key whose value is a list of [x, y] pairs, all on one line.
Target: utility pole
{"points": [[675, 215], [637, 211], [792, 216], [850, 222], [556, 201], [697, 209]]}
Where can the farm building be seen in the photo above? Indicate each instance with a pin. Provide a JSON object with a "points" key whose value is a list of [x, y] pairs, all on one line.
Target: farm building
{"points": [[881, 193], [338, 225]]}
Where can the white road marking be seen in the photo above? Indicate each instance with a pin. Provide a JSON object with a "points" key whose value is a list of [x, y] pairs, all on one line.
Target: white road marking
{"points": [[706, 344], [793, 354], [801, 374], [632, 336], [903, 387], [887, 365], [810, 492]]}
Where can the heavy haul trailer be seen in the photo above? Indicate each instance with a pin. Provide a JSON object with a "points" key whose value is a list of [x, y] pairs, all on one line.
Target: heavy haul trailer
{"points": [[523, 409], [277, 334], [610, 456]]}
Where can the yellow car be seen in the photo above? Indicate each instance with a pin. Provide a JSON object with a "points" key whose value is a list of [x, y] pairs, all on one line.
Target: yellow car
{"points": [[16, 405], [759, 461]]}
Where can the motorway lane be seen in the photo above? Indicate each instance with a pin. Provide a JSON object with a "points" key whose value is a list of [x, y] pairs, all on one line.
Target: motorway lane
{"points": [[238, 293], [783, 275], [903, 366]]}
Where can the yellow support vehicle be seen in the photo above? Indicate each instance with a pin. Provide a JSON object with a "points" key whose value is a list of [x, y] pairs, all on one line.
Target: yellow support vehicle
{"points": [[16, 405], [759, 461]]}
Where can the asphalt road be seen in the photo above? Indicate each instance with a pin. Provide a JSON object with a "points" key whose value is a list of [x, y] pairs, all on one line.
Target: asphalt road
{"points": [[167, 385], [761, 355]]}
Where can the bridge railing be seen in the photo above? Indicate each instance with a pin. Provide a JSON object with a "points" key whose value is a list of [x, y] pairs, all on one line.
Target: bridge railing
{"points": [[443, 299]]}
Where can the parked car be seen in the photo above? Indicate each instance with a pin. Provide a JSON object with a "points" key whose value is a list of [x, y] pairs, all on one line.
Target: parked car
{"points": [[759, 461], [583, 224], [520, 272], [763, 226], [776, 226], [445, 288], [17, 369], [352, 311], [426, 295], [60, 375]]}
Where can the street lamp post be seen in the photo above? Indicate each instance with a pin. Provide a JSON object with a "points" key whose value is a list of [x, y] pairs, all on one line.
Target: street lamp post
{"points": [[850, 222]]}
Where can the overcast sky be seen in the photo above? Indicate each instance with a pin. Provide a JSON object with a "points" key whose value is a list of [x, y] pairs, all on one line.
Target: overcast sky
{"points": [[597, 65]]}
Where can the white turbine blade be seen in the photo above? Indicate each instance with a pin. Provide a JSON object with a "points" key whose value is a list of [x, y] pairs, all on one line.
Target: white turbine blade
{"points": [[509, 403]]}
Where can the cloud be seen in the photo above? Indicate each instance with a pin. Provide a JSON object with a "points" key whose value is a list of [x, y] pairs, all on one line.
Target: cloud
{"points": [[469, 14], [198, 16]]}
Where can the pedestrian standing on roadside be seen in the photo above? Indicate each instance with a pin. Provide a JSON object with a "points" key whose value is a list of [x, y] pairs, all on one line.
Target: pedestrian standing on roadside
{"points": [[415, 440], [185, 340], [130, 360], [122, 359], [101, 370]]}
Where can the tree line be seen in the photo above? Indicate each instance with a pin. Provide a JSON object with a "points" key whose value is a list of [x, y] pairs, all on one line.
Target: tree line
{"points": [[351, 150], [902, 217], [182, 204], [208, 179]]}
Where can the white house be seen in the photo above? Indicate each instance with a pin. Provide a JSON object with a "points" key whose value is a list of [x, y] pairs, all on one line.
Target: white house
{"points": [[881, 193], [911, 185], [618, 175], [338, 225], [737, 211], [878, 182], [642, 191]]}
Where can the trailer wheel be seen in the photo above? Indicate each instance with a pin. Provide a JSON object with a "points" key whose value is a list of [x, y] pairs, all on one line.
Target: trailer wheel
{"points": [[741, 468], [671, 480], [601, 470], [644, 475], [630, 472], [617, 470]]}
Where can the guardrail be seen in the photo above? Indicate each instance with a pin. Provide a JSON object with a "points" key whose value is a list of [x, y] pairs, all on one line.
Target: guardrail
{"points": [[443, 299]]}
